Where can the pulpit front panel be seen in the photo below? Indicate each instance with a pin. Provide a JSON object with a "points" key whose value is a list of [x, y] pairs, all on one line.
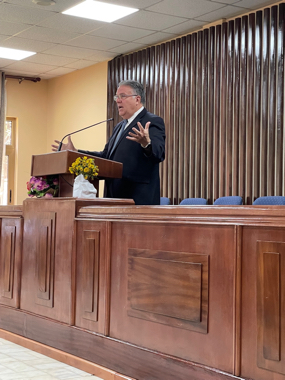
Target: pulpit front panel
{"points": [[175, 283]]}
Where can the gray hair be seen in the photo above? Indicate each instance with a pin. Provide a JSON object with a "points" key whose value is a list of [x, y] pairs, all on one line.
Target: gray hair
{"points": [[136, 86]]}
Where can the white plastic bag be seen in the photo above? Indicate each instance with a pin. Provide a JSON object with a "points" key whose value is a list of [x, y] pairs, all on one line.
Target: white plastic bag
{"points": [[82, 188]]}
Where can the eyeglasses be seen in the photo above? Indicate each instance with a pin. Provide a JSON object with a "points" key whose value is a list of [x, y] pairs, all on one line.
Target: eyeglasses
{"points": [[122, 97]]}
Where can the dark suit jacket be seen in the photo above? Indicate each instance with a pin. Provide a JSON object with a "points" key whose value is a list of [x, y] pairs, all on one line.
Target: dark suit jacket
{"points": [[140, 180]]}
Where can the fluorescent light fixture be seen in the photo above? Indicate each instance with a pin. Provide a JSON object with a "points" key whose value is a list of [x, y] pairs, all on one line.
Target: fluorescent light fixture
{"points": [[15, 53], [96, 10]]}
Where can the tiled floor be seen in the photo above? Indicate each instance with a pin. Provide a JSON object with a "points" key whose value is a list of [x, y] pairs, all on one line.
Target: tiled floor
{"points": [[19, 363]]}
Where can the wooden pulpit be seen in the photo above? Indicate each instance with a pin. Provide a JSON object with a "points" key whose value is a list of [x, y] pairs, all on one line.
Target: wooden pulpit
{"points": [[59, 163]]}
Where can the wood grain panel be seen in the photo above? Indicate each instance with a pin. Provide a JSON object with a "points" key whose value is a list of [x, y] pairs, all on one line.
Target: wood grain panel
{"points": [[10, 261], [91, 274], [45, 258], [176, 293], [270, 305], [165, 288], [221, 94]]}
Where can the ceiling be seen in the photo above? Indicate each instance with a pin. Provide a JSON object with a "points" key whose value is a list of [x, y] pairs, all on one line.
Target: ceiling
{"points": [[66, 43]]}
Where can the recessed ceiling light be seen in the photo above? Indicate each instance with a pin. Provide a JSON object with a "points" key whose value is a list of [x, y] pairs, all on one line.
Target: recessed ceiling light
{"points": [[96, 10], [44, 2], [14, 53]]}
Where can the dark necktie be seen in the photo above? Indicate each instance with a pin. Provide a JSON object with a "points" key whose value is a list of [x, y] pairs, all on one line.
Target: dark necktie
{"points": [[123, 125]]}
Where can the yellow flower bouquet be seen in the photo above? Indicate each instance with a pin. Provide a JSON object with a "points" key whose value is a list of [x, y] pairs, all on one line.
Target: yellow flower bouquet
{"points": [[85, 166]]}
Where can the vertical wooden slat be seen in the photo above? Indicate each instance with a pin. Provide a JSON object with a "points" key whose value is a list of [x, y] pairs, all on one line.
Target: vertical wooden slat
{"points": [[175, 122], [210, 116], [181, 106], [229, 110], [192, 184], [236, 105], [187, 113], [250, 114], [197, 125], [280, 135], [242, 107], [217, 85], [272, 101], [204, 123], [264, 102], [168, 104], [271, 306], [222, 124], [257, 107]]}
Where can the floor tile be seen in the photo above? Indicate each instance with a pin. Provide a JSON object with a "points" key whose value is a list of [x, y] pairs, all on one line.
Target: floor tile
{"points": [[20, 363]]}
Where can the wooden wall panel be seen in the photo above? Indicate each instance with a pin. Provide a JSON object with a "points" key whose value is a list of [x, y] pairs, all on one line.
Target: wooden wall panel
{"points": [[92, 276], [262, 306], [45, 256], [10, 261], [221, 94], [270, 305]]}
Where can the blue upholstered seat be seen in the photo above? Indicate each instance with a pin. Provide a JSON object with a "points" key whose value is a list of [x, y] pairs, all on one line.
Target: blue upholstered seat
{"points": [[164, 201], [270, 200], [193, 201], [229, 200]]}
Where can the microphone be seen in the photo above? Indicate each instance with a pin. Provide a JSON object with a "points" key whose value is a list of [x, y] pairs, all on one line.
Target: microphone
{"points": [[82, 129]]}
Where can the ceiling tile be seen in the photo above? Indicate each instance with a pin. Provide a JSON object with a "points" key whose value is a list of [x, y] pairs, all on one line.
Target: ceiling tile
{"points": [[31, 67], [25, 44], [60, 71], [253, 4], [80, 64], [185, 8], [59, 6], [47, 34], [127, 48], [226, 1], [11, 28], [71, 23], [156, 37], [226, 12], [185, 27], [22, 72], [23, 15], [69, 51], [5, 62], [121, 32], [48, 59], [93, 42], [2, 38], [134, 3], [150, 20], [100, 55]]}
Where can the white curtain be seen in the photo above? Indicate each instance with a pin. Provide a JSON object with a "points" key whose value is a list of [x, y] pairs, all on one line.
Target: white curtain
{"points": [[2, 123]]}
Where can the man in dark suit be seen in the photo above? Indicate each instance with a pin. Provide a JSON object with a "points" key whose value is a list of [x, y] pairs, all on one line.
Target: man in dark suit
{"points": [[138, 142]]}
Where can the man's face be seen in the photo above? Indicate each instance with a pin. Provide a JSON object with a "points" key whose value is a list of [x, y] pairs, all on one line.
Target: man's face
{"points": [[127, 106]]}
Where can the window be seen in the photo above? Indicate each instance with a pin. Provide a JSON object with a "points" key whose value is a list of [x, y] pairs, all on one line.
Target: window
{"points": [[7, 193]]}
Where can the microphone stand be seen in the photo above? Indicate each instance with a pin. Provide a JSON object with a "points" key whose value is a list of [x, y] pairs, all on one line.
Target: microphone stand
{"points": [[82, 129]]}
